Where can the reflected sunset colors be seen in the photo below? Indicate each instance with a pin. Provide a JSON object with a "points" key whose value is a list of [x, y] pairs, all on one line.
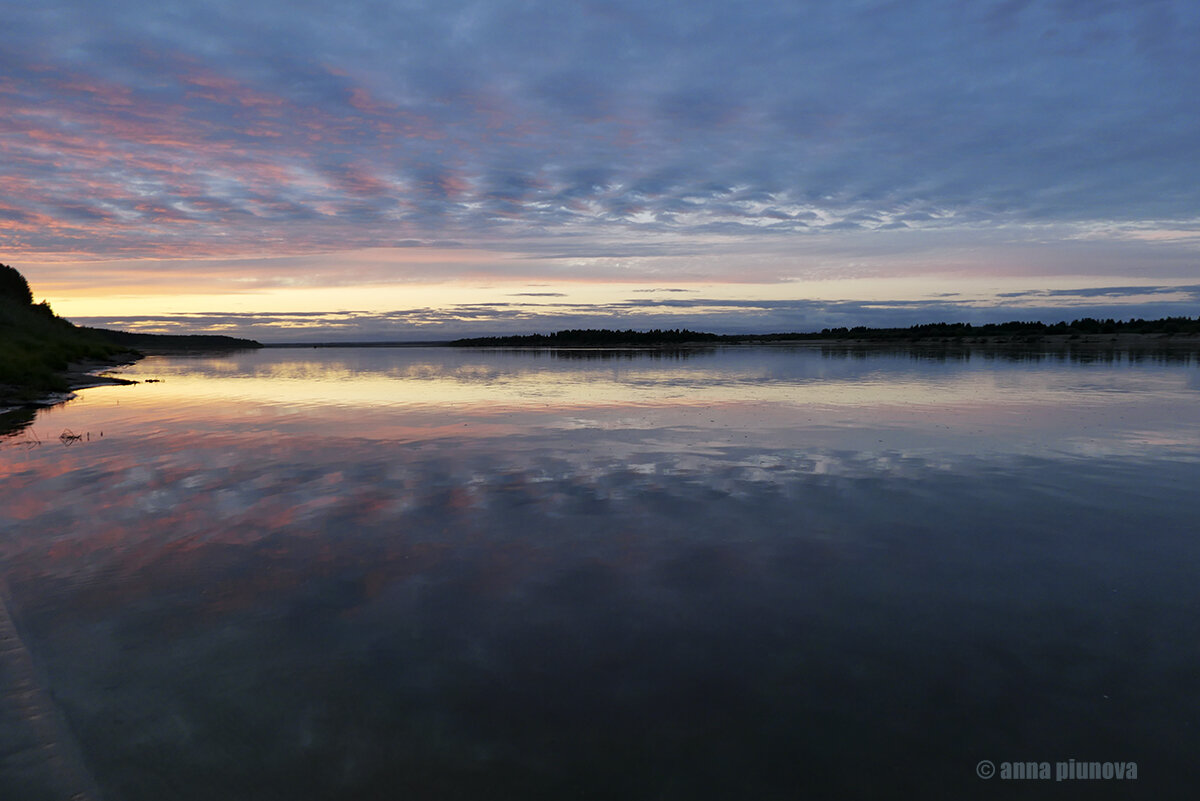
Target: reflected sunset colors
{"points": [[967, 402], [765, 573], [468, 573]]}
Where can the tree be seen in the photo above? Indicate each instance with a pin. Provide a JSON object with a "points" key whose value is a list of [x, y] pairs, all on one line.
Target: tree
{"points": [[14, 286]]}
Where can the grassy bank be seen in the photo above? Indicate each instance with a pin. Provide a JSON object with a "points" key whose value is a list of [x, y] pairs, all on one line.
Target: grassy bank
{"points": [[37, 348]]}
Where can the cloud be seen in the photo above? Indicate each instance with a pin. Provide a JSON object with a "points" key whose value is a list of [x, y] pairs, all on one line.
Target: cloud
{"points": [[1114, 292], [217, 128], [720, 315]]}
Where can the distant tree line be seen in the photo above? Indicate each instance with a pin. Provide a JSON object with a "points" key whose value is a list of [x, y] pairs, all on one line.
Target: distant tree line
{"points": [[603, 337], [1085, 325], [172, 341], [593, 337]]}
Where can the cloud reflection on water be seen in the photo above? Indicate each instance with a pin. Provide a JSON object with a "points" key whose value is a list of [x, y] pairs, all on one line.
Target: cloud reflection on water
{"points": [[255, 595]]}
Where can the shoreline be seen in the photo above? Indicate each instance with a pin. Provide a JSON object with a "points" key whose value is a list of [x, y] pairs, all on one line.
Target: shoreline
{"points": [[1049, 342], [78, 375], [91, 373], [1021, 341]]}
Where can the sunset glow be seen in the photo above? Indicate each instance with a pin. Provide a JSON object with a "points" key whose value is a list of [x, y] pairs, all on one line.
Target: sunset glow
{"points": [[403, 168]]}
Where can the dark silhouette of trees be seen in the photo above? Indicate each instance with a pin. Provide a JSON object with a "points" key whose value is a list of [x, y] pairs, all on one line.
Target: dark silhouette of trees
{"points": [[593, 337], [603, 337], [14, 286], [1085, 325]]}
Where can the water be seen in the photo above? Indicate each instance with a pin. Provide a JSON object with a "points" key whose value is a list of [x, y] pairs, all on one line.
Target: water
{"points": [[760, 573]]}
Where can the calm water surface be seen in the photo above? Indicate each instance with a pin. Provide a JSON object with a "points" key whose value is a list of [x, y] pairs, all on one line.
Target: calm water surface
{"points": [[443, 574]]}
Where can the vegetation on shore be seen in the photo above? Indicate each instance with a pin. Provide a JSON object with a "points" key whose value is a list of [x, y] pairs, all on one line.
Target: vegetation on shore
{"points": [[156, 342], [956, 331], [37, 347], [1086, 325], [593, 337]]}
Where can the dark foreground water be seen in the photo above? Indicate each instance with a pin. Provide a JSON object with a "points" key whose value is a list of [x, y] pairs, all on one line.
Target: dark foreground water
{"points": [[739, 574]]}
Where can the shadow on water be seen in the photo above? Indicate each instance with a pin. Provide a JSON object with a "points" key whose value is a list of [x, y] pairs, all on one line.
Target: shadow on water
{"points": [[15, 421]]}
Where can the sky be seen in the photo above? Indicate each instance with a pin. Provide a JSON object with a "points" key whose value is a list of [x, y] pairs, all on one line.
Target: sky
{"points": [[373, 170]]}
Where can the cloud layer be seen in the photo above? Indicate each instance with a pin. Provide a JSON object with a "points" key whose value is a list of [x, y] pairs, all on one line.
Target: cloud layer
{"points": [[134, 129], [668, 310]]}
